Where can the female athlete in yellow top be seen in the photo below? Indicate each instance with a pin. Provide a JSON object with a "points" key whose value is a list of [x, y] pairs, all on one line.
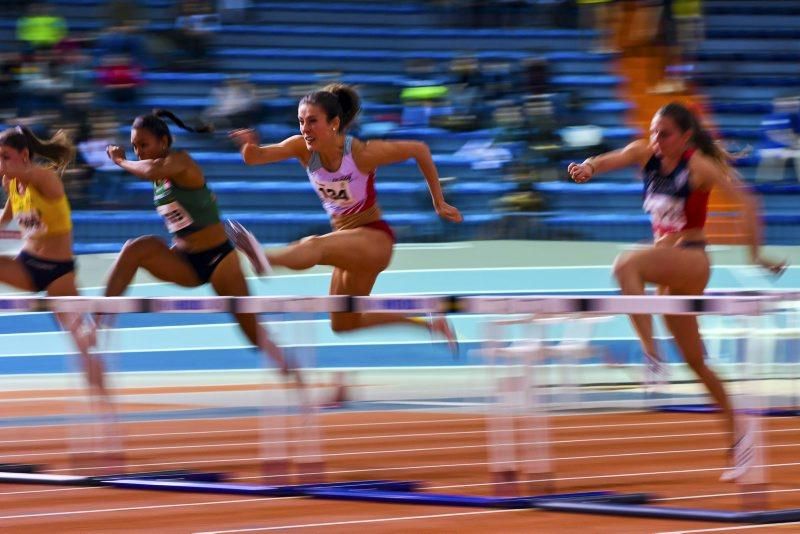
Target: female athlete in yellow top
{"points": [[37, 201]]}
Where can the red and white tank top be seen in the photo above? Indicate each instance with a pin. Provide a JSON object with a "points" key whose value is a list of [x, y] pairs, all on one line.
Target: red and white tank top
{"points": [[669, 199], [345, 191]]}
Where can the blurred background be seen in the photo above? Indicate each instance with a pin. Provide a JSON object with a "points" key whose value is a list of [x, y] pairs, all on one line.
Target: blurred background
{"points": [[505, 92]]}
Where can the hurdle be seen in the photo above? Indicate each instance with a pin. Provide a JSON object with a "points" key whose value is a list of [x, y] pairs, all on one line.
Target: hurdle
{"points": [[639, 505], [755, 341], [517, 411]]}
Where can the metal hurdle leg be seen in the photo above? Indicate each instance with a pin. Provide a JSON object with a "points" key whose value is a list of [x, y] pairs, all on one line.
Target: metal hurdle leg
{"points": [[793, 351], [536, 462], [95, 437], [500, 421], [570, 351], [273, 449], [751, 458], [517, 412], [309, 465]]}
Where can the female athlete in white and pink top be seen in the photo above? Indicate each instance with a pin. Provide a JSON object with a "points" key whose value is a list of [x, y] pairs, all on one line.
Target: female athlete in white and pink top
{"points": [[342, 169]]}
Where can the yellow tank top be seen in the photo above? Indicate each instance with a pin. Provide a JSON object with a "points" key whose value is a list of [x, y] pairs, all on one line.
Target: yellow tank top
{"points": [[36, 215]]}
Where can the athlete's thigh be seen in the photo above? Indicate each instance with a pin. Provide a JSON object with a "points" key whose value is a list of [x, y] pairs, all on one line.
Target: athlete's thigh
{"points": [[350, 283], [359, 249], [228, 279], [63, 286], [676, 269], [344, 282], [163, 262], [13, 273]]}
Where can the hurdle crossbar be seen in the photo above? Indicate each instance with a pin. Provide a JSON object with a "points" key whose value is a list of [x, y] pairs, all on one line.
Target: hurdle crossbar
{"points": [[655, 304]]}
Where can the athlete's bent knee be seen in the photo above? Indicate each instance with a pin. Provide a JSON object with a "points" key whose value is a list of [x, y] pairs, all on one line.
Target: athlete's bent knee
{"points": [[624, 265]]}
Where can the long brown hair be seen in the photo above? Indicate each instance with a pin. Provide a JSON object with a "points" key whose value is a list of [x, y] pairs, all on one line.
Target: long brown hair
{"points": [[58, 149], [685, 119]]}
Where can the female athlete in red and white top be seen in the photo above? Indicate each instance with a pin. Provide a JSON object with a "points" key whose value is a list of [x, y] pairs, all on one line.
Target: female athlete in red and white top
{"points": [[681, 164], [341, 170]]}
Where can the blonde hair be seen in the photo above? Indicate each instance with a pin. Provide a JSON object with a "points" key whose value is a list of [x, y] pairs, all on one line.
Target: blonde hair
{"points": [[58, 149]]}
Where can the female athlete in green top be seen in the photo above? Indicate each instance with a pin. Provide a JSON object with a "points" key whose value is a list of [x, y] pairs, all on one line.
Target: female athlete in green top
{"points": [[201, 250]]}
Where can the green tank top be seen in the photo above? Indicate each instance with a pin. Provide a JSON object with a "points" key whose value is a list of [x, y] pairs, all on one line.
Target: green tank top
{"points": [[185, 211]]}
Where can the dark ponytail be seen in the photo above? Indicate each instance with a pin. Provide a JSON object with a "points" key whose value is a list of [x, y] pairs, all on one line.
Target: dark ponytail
{"points": [[158, 127], [58, 149], [337, 100]]}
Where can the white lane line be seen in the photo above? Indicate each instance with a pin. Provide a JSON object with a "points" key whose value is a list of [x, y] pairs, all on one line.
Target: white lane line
{"points": [[378, 452], [50, 490], [363, 521], [373, 424], [716, 495], [232, 418], [768, 528], [132, 508]]}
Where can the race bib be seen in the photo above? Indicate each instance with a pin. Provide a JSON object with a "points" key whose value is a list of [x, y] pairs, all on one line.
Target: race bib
{"points": [[30, 224], [667, 212], [175, 216], [336, 193]]}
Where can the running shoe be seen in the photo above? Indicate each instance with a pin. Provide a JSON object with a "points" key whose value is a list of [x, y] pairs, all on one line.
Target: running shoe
{"points": [[84, 332], [743, 455], [656, 373], [247, 243], [441, 326]]}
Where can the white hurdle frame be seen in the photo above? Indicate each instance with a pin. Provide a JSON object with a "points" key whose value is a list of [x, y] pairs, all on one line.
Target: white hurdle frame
{"points": [[749, 305], [517, 466]]}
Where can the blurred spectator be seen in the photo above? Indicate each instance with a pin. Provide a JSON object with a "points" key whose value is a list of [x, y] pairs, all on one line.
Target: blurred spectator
{"points": [[466, 93], [686, 29], [119, 78], [195, 26], [124, 13], [643, 19], [15, 8], [77, 177], [77, 108], [233, 11], [39, 28], [10, 66], [106, 175], [782, 133], [75, 62], [42, 84], [123, 39], [600, 15], [235, 105]]}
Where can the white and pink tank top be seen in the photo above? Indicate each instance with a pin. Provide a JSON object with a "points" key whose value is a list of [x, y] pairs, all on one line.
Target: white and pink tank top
{"points": [[345, 191]]}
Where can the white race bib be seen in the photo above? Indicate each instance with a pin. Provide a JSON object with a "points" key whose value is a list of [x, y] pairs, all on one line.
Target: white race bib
{"points": [[667, 212], [337, 193], [175, 216]]}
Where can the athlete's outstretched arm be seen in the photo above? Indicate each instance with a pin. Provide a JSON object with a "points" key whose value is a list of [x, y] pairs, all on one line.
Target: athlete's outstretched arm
{"points": [[44, 179], [635, 153], [172, 166], [710, 175], [377, 153], [255, 154]]}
